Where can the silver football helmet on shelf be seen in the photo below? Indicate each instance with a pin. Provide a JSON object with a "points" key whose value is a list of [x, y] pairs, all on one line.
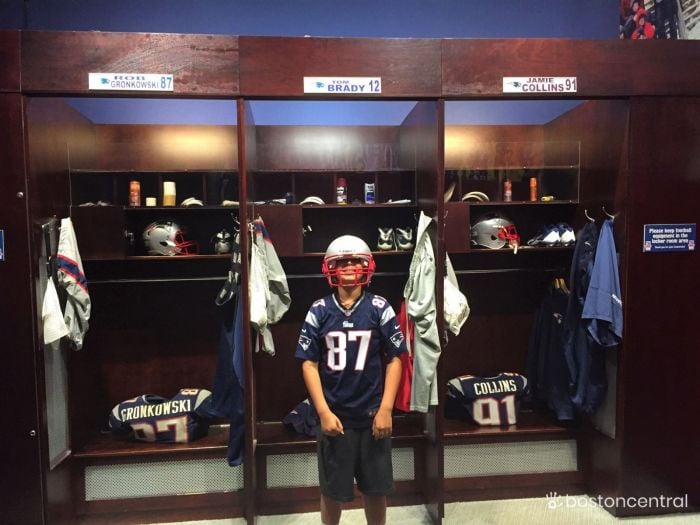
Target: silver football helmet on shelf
{"points": [[166, 237], [494, 232]]}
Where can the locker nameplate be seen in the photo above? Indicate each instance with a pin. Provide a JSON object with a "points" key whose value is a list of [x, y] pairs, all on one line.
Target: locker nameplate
{"points": [[538, 85], [343, 85], [130, 82]]}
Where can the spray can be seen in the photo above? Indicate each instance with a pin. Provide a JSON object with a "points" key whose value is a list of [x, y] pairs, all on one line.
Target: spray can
{"points": [[507, 191], [134, 194], [533, 189]]}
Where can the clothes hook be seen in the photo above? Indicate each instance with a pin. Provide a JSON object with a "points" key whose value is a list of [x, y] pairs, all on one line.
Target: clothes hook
{"points": [[585, 212], [46, 230], [611, 216]]}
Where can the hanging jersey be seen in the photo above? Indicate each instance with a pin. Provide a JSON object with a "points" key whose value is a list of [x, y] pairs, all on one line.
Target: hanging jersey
{"points": [[403, 394], [602, 310], [485, 400], [154, 418], [228, 397], [546, 368], [303, 418], [578, 345], [348, 345]]}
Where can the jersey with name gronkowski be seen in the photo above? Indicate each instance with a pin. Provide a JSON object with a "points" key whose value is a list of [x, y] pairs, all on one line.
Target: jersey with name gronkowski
{"points": [[485, 400], [348, 347], [154, 418]]}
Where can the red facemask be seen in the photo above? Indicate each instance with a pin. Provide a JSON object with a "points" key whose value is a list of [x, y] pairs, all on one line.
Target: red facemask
{"points": [[338, 271]]}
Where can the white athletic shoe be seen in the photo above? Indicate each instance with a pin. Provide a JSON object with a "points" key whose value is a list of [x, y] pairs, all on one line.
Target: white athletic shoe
{"points": [[387, 240], [567, 236], [404, 238]]}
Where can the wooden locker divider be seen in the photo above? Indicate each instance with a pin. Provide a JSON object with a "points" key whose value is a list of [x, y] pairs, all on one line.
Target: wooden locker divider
{"points": [[23, 446], [247, 163]]}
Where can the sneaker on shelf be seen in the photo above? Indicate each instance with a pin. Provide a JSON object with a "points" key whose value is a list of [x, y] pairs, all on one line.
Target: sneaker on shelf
{"points": [[566, 234], [404, 238], [547, 236], [387, 240]]}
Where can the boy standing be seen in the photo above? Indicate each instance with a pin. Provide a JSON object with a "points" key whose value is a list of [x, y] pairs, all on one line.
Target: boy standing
{"points": [[340, 345]]}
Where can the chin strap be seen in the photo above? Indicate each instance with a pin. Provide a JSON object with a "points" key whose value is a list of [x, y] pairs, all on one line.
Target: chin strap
{"points": [[510, 234]]}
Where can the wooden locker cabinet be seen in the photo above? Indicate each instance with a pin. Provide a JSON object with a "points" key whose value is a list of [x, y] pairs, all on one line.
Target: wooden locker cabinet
{"points": [[379, 155], [610, 128], [503, 288], [167, 312], [155, 327]]}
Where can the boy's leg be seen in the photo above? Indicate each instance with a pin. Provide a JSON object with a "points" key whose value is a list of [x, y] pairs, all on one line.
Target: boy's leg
{"points": [[375, 509], [374, 476], [330, 511], [336, 459]]}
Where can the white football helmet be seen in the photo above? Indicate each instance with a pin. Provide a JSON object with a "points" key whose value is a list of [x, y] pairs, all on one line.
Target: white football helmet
{"points": [[341, 249], [167, 238], [494, 233]]}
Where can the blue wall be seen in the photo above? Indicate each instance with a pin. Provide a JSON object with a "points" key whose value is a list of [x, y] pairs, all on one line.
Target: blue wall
{"points": [[350, 18]]}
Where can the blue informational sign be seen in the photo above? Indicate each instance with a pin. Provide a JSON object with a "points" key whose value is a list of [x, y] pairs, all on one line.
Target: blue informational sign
{"points": [[669, 237], [2, 245]]}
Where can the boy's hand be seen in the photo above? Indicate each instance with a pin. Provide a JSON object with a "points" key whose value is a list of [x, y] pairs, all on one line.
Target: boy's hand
{"points": [[381, 426], [330, 424]]}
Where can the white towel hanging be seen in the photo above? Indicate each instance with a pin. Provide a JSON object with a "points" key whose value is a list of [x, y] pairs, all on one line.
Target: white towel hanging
{"points": [[54, 326]]}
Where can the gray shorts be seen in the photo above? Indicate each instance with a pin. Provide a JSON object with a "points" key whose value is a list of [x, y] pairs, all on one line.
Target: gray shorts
{"points": [[355, 455]]}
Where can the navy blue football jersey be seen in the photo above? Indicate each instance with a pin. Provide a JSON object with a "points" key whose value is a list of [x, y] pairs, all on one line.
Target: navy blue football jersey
{"points": [[348, 346], [485, 400], [153, 418], [303, 418]]}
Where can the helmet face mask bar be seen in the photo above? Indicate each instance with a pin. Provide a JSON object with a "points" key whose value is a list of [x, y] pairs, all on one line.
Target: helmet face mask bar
{"points": [[348, 257], [510, 235]]}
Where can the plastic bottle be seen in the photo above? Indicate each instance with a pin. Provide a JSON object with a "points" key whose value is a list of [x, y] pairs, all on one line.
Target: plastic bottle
{"points": [[533, 189], [341, 191], [507, 191], [134, 194]]}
